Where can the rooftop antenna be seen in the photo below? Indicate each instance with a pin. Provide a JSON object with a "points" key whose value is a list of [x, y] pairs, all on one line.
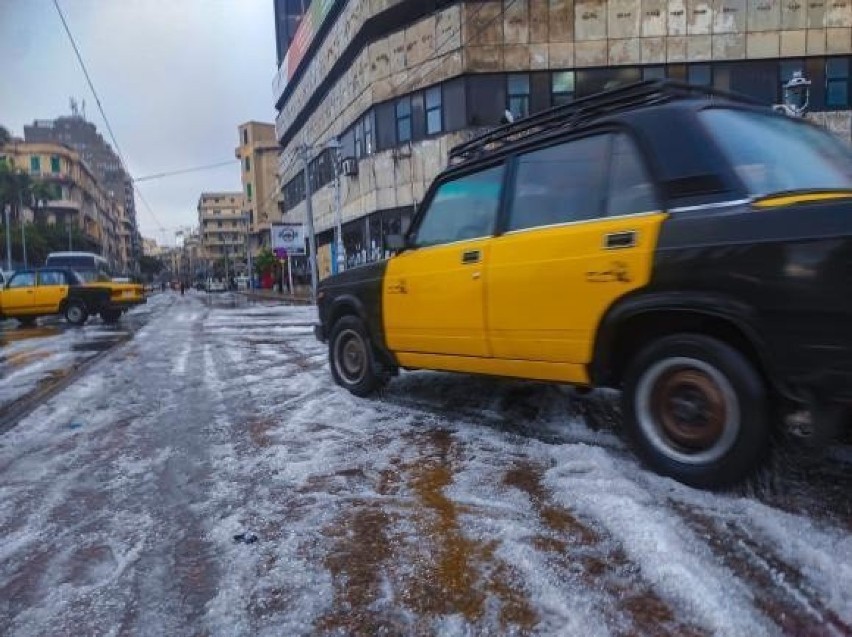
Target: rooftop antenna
{"points": [[83, 110], [75, 111]]}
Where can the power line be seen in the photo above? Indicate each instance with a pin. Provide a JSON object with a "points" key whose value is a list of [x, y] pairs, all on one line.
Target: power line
{"points": [[101, 108], [183, 171]]}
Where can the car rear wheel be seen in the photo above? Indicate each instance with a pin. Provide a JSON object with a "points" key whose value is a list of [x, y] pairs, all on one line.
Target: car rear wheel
{"points": [[353, 365], [696, 409], [110, 316], [76, 312]]}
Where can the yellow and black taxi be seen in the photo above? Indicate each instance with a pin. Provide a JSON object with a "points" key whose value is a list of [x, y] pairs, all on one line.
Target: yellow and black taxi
{"points": [[52, 290], [683, 245]]}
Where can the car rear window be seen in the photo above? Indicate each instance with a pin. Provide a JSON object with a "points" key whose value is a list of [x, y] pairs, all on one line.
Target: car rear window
{"points": [[772, 154]]}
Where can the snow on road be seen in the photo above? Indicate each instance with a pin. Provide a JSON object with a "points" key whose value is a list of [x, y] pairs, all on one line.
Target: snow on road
{"points": [[449, 505]]}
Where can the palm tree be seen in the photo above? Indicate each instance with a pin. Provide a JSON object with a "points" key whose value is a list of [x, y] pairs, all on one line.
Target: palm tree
{"points": [[40, 193]]}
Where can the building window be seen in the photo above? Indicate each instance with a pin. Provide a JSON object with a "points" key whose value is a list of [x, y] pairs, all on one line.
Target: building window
{"points": [[245, 136], [359, 139], [653, 72], [218, 224], [700, 74], [248, 191], [403, 119], [434, 111], [54, 164], [518, 92], [561, 87], [35, 164], [369, 139], [248, 164], [837, 82]]}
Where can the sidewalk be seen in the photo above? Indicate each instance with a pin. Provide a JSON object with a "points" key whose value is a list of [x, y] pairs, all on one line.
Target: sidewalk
{"points": [[299, 298]]}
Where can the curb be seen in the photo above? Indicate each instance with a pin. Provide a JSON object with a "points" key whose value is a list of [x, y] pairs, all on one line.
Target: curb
{"points": [[286, 300]]}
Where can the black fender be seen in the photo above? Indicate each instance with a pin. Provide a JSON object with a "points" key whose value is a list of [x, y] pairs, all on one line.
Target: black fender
{"points": [[693, 307], [93, 298], [347, 303]]}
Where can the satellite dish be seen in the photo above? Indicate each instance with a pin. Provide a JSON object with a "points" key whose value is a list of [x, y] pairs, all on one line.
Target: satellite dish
{"points": [[508, 117]]}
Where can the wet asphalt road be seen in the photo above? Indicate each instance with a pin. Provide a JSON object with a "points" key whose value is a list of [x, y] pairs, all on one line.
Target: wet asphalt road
{"points": [[448, 505]]}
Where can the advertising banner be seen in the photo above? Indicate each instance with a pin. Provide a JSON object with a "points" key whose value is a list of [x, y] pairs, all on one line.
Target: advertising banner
{"points": [[289, 238]]}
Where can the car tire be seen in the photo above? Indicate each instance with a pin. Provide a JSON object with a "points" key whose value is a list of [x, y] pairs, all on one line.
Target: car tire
{"points": [[351, 358], [26, 321], [696, 409], [110, 316], [76, 312]]}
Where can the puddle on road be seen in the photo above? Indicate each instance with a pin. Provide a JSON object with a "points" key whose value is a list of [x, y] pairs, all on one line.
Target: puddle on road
{"points": [[21, 333]]}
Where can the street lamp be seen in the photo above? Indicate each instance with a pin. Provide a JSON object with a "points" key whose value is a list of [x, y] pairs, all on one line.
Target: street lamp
{"points": [[797, 94], [334, 145]]}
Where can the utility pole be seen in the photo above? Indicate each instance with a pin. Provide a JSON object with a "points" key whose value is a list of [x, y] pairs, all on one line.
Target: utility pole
{"points": [[8, 237], [340, 261], [312, 241], [248, 254], [23, 226]]}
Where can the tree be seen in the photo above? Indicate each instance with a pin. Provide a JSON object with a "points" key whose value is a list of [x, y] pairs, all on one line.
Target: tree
{"points": [[265, 262], [150, 266], [5, 136]]}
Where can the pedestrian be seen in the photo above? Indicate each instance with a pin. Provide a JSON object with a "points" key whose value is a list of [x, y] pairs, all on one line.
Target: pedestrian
{"points": [[182, 288]]}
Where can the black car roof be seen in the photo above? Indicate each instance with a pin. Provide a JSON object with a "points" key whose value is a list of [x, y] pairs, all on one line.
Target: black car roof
{"points": [[661, 113]]}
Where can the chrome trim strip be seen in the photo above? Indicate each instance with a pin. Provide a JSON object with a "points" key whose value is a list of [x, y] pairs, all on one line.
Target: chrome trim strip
{"points": [[632, 215], [711, 206]]}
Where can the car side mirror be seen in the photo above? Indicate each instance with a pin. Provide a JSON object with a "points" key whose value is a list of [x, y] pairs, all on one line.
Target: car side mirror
{"points": [[395, 242]]}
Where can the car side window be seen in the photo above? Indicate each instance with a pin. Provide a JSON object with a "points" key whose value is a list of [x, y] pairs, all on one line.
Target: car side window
{"points": [[559, 184], [464, 208], [630, 187], [51, 277], [22, 280]]}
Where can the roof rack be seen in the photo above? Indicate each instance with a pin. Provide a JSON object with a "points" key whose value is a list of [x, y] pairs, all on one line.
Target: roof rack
{"points": [[582, 110]]}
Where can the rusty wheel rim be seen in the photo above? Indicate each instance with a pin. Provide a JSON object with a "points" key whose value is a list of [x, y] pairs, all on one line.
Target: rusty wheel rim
{"points": [[688, 410]]}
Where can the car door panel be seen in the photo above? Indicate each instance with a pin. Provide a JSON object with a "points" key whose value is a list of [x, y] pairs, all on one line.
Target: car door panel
{"points": [[433, 300], [433, 295], [549, 287], [582, 231], [19, 298]]}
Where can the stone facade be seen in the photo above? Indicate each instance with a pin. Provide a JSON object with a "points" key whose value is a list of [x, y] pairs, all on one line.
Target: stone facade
{"points": [[520, 36]]}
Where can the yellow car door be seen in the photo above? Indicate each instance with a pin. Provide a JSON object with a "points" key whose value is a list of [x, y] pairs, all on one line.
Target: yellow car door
{"points": [[581, 232], [51, 289], [19, 296], [433, 296]]}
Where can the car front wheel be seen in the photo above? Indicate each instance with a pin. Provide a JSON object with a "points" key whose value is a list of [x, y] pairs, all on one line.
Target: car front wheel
{"points": [[351, 358], [76, 312], [696, 409]]}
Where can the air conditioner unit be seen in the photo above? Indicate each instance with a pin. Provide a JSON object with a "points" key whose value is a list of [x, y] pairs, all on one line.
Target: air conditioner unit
{"points": [[349, 167]]}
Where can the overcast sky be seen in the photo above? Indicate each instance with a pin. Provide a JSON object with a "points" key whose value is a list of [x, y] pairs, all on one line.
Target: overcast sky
{"points": [[175, 77]]}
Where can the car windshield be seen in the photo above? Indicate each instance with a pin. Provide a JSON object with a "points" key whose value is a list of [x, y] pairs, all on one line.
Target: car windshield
{"points": [[773, 154]]}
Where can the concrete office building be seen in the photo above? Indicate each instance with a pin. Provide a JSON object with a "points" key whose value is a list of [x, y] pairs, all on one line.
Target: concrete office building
{"points": [[399, 82]]}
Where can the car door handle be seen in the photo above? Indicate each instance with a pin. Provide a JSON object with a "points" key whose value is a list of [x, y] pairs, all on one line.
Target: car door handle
{"points": [[471, 256], [616, 240]]}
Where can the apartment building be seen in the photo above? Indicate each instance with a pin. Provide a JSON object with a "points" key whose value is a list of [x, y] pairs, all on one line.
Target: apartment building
{"points": [[400, 82], [223, 226], [81, 201], [258, 155], [81, 135]]}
